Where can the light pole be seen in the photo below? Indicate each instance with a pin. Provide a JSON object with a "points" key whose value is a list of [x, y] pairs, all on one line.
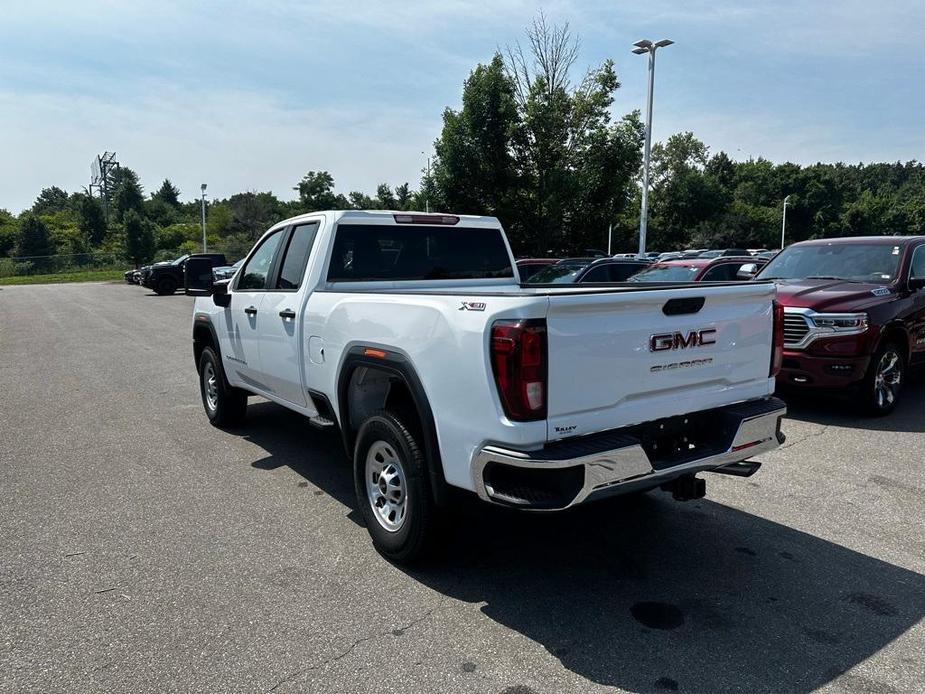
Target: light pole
{"points": [[203, 189], [783, 225], [427, 179], [646, 46]]}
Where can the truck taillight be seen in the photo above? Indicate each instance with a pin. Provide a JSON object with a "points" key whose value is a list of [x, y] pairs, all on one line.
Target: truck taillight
{"points": [[518, 359], [777, 350]]}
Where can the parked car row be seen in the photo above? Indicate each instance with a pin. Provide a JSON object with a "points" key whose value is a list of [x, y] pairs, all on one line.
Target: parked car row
{"points": [[624, 269], [166, 277], [854, 308]]}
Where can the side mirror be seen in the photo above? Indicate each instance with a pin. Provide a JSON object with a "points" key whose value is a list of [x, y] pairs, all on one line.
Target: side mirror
{"points": [[747, 271], [220, 295], [916, 283], [197, 277]]}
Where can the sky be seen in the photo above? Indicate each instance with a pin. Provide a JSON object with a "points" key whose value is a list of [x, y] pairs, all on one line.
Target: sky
{"points": [[251, 94]]}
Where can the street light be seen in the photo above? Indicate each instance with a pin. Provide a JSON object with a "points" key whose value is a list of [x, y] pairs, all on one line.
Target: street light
{"points": [[427, 200], [646, 46], [203, 189], [783, 225]]}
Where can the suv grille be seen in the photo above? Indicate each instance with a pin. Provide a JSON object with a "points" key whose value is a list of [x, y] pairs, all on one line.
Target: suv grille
{"points": [[795, 328]]}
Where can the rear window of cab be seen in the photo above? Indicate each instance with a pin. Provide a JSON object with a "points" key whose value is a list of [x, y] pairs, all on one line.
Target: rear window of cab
{"points": [[370, 253]]}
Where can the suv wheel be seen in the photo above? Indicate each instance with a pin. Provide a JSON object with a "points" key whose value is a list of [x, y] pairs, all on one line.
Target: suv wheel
{"points": [[884, 379], [225, 406], [392, 488], [165, 286]]}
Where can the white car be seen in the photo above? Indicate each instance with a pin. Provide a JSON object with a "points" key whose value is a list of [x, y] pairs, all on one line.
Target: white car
{"points": [[412, 335]]}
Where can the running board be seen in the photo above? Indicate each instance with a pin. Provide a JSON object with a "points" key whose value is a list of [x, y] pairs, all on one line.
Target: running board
{"points": [[321, 422]]}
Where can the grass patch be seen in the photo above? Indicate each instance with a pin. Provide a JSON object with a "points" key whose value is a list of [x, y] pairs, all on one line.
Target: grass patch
{"points": [[86, 276]]}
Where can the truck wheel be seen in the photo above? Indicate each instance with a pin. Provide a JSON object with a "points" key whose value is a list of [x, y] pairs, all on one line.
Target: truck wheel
{"points": [[392, 488], [884, 379], [166, 285], [225, 406]]}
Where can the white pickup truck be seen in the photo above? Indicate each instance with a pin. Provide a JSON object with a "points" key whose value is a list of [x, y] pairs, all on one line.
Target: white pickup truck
{"points": [[413, 336]]}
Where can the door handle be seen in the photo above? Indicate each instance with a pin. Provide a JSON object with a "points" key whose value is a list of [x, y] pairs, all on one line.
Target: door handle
{"points": [[287, 313], [251, 310]]}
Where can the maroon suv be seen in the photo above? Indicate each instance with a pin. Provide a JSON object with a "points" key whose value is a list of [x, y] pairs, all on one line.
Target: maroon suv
{"points": [[854, 314]]}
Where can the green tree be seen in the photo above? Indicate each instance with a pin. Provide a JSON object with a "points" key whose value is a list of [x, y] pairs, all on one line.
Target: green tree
{"points": [[161, 213], [129, 195], [34, 238], [385, 200], [9, 232], [50, 200], [168, 193], [474, 168], [139, 237], [360, 201], [564, 126], [404, 196], [316, 191], [686, 195], [538, 150], [92, 222], [35, 243]]}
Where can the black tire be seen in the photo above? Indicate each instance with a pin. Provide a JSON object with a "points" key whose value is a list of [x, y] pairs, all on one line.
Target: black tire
{"points": [[229, 405], [420, 521], [883, 383], [166, 286]]}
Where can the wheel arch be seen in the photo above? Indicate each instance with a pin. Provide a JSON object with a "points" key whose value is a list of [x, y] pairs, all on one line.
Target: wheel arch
{"points": [[373, 378], [896, 332], [204, 335]]}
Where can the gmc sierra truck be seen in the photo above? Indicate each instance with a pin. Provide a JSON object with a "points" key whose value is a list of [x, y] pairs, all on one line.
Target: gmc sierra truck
{"points": [[412, 335], [854, 315]]}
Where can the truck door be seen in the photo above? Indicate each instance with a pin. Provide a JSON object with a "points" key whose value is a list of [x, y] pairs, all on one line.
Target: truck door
{"points": [[917, 272], [240, 352], [280, 319]]}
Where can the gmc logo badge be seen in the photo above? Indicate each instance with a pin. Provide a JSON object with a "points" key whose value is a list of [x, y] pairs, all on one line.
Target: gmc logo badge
{"points": [[695, 338]]}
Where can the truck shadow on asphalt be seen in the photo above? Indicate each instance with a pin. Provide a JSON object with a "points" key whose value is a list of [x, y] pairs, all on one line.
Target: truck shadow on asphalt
{"points": [[844, 412], [645, 593]]}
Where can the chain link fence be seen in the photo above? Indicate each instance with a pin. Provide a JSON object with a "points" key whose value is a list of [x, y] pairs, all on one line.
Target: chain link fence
{"points": [[24, 266]]}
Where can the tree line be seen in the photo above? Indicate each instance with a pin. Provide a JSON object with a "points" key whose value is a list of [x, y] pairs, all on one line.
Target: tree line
{"points": [[533, 145]]}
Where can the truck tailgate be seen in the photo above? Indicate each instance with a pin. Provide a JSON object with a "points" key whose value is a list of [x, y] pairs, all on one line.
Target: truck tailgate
{"points": [[619, 358]]}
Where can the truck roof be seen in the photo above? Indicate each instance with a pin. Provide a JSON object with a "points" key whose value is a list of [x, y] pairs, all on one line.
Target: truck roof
{"points": [[388, 217]]}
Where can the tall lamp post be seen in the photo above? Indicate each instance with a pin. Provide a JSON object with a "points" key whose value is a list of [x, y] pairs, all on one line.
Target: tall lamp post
{"points": [[427, 178], [203, 190], [783, 224], [646, 46]]}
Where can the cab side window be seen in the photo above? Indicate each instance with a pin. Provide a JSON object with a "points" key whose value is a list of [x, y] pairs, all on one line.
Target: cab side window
{"points": [[725, 272], [599, 274], [917, 271], [296, 258], [254, 273], [620, 272]]}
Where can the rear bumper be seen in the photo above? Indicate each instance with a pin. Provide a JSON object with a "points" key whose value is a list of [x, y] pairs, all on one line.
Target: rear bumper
{"points": [[801, 370], [567, 473]]}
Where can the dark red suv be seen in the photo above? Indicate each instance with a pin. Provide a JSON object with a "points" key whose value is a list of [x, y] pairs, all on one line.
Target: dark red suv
{"points": [[854, 314]]}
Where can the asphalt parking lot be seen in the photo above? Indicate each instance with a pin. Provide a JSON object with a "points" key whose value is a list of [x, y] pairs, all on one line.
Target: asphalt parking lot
{"points": [[145, 551]]}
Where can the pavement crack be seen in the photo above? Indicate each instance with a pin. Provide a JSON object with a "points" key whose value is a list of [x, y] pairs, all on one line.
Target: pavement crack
{"points": [[349, 649], [804, 439]]}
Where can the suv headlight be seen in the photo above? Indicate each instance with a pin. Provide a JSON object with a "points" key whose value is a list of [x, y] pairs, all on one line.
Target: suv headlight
{"points": [[841, 322]]}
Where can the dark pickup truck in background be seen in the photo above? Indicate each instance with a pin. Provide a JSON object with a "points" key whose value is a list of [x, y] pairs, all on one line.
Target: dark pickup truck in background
{"points": [[166, 278], [854, 315]]}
